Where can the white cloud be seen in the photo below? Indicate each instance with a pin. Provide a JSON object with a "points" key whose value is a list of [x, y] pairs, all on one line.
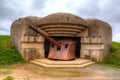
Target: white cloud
{"points": [[52, 6], [116, 37], [5, 29], [70, 6], [106, 10]]}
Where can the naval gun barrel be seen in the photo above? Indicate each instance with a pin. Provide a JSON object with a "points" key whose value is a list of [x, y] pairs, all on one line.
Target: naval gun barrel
{"points": [[41, 32]]}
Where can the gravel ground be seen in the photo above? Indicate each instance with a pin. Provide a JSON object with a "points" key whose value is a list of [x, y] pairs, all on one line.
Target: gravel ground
{"points": [[34, 72]]}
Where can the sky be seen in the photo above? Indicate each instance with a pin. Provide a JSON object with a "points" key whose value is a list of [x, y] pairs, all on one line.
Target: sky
{"points": [[106, 10]]}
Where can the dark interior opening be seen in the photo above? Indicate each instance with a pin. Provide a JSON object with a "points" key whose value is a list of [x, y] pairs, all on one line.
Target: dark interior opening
{"points": [[77, 39], [52, 45], [58, 49], [66, 45]]}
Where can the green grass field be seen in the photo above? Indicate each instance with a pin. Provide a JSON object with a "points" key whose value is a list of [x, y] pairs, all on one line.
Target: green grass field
{"points": [[113, 59], [9, 54]]}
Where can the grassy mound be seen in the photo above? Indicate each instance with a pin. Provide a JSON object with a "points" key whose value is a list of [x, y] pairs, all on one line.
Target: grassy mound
{"points": [[8, 53], [113, 59]]}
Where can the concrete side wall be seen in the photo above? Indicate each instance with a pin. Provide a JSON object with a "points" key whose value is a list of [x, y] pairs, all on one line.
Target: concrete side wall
{"points": [[32, 50], [92, 48], [17, 31], [103, 32], [32, 47], [27, 41], [108, 39]]}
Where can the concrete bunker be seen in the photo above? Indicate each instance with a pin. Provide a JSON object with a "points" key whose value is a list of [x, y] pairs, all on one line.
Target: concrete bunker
{"points": [[93, 36]]}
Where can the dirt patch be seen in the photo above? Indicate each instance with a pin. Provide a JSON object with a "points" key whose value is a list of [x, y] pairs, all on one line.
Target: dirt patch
{"points": [[33, 72]]}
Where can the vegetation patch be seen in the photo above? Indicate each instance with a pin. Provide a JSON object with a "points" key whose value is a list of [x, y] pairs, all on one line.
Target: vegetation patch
{"points": [[8, 53], [9, 78], [5, 71], [113, 58]]}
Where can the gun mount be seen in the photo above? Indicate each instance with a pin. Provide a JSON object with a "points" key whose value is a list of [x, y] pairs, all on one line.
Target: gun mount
{"points": [[59, 50]]}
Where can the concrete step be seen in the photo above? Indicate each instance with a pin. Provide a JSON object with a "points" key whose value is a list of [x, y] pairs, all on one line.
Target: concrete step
{"points": [[53, 63]]}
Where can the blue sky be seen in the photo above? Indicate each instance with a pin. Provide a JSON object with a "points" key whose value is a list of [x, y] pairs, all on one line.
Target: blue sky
{"points": [[106, 10]]}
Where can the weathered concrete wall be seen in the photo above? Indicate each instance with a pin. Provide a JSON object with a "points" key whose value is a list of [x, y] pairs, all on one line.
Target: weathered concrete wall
{"points": [[64, 24], [100, 33], [33, 50], [62, 18], [92, 48], [25, 39], [17, 31], [96, 35], [65, 30]]}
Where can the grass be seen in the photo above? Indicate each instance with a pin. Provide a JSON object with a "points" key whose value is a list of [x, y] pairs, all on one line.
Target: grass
{"points": [[12, 78], [9, 78], [113, 58], [5, 72], [8, 53]]}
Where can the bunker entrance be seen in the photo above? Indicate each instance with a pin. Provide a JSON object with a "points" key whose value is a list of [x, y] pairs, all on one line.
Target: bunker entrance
{"points": [[47, 45]]}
